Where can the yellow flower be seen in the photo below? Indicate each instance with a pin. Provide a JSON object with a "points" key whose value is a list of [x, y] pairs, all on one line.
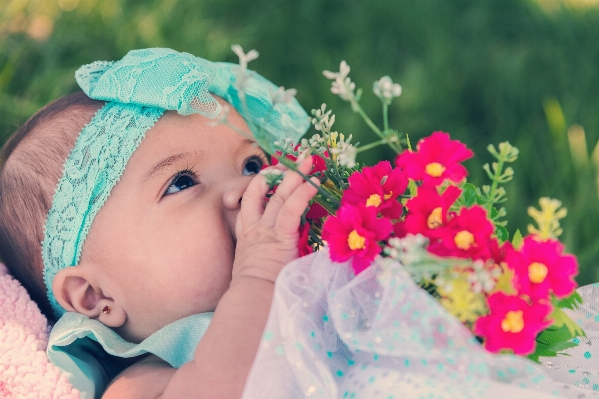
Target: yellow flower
{"points": [[504, 281], [461, 301], [547, 219]]}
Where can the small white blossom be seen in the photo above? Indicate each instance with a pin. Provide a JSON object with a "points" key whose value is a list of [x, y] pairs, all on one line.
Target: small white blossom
{"points": [[273, 176], [322, 121], [342, 84], [343, 72], [282, 96], [243, 57], [483, 278], [316, 141], [408, 250], [315, 144], [286, 146], [344, 152], [386, 90], [304, 145]]}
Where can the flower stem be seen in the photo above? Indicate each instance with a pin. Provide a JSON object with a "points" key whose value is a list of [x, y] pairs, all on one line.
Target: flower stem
{"points": [[368, 121], [328, 142], [371, 145], [386, 115], [494, 184], [374, 128]]}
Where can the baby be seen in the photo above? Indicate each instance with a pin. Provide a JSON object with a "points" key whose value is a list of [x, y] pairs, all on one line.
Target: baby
{"points": [[157, 246], [134, 213]]}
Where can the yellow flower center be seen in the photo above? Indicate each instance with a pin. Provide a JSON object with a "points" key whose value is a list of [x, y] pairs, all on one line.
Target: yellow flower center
{"points": [[435, 219], [387, 196], [464, 240], [373, 200], [537, 272], [355, 241], [513, 322], [434, 169]]}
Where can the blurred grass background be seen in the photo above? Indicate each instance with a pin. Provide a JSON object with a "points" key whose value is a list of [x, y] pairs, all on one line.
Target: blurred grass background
{"points": [[525, 71]]}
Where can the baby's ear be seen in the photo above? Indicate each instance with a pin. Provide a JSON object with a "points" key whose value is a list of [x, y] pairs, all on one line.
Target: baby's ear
{"points": [[76, 290]]}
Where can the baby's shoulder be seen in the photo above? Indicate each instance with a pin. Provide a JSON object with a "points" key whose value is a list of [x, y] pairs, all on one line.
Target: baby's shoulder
{"points": [[147, 378]]}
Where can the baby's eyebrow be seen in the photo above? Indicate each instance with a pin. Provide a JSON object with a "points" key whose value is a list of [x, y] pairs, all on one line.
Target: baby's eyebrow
{"points": [[249, 143], [167, 162]]}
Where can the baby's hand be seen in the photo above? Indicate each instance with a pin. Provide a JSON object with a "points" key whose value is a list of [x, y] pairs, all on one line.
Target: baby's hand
{"points": [[267, 236]]}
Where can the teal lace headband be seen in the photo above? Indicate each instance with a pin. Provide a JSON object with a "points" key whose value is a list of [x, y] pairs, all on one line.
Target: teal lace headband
{"points": [[138, 89]]}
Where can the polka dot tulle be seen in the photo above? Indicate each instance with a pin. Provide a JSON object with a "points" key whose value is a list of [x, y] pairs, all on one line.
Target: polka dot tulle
{"points": [[581, 367], [378, 335]]}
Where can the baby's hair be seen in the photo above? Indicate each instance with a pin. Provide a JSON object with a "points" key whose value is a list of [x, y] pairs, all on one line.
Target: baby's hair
{"points": [[31, 164]]}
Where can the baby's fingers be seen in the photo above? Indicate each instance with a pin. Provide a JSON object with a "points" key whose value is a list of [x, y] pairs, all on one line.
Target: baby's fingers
{"points": [[252, 202], [289, 217], [288, 186]]}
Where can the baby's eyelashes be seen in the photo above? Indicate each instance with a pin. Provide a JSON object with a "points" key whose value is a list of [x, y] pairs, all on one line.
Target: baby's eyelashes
{"points": [[187, 178], [181, 181]]}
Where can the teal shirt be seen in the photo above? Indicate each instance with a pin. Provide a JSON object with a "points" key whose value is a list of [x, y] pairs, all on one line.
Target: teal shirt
{"points": [[90, 354]]}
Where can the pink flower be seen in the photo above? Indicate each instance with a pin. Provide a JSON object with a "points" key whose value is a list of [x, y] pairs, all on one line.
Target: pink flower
{"points": [[428, 211], [378, 187], [316, 211], [437, 158], [355, 231], [318, 163], [303, 246], [512, 323], [541, 268], [466, 235]]}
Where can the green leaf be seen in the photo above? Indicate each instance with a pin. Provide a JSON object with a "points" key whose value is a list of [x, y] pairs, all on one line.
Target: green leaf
{"points": [[562, 319], [501, 233], [539, 351], [469, 195], [560, 346], [494, 213], [413, 188], [517, 240], [553, 335], [570, 302]]}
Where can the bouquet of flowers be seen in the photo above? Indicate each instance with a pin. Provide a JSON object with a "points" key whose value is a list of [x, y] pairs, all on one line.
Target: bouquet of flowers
{"points": [[449, 235]]}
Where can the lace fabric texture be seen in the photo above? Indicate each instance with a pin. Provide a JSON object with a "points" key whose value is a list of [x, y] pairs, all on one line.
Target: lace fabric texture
{"points": [[93, 167], [171, 80], [138, 89], [378, 335]]}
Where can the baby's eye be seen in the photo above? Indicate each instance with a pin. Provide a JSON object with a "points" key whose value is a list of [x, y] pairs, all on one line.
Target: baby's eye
{"points": [[181, 181], [252, 166]]}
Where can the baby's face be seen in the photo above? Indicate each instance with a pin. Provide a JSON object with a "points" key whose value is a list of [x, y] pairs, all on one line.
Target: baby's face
{"points": [[163, 244]]}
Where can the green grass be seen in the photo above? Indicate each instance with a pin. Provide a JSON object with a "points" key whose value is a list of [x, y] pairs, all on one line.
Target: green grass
{"points": [[484, 71]]}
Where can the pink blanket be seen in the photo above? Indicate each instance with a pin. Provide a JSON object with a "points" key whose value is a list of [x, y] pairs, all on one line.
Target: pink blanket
{"points": [[25, 371]]}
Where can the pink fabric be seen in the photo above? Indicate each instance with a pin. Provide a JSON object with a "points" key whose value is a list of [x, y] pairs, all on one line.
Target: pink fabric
{"points": [[25, 371]]}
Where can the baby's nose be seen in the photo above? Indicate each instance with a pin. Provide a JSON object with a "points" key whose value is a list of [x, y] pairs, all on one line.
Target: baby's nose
{"points": [[233, 192]]}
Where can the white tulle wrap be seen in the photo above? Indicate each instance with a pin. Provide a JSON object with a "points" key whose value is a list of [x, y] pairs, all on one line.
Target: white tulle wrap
{"points": [[580, 368], [378, 335]]}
